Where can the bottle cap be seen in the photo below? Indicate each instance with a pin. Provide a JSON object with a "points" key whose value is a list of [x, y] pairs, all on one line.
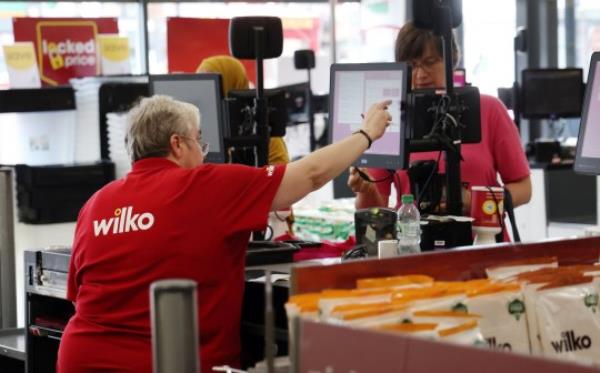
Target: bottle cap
{"points": [[407, 198]]}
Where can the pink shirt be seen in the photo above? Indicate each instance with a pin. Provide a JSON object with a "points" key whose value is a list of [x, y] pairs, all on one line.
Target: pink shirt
{"points": [[499, 152]]}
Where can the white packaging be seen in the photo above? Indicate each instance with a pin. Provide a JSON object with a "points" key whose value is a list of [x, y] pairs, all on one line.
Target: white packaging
{"points": [[530, 297], [293, 311], [305, 305], [569, 320], [424, 330], [504, 272], [466, 334], [392, 314], [454, 302], [396, 282], [503, 320], [443, 319], [327, 305]]}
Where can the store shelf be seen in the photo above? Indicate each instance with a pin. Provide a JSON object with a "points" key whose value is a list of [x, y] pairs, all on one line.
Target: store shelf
{"points": [[446, 265], [37, 99], [325, 347], [12, 343]]}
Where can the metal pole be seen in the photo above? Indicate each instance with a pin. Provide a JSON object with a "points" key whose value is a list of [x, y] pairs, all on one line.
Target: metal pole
{"points": [[570, 33], [311, 114], [260, 106], [454, 203], [269, 324], [259, 35], [332, 8], [295, 345], [8, 312], [174, 317], [145, 42]]}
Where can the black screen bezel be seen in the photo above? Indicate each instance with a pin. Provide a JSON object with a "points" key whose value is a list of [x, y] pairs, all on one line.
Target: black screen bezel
{"points": [[536, 115], [390, 162], [583, 165]]}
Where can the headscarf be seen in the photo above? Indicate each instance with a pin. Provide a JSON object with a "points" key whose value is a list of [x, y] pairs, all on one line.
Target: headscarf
{"points": [[233, 73], [234, 77]]}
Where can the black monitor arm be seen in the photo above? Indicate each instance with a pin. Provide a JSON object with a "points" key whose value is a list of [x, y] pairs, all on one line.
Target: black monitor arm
{"points": [[260, 102], [443, 27]]}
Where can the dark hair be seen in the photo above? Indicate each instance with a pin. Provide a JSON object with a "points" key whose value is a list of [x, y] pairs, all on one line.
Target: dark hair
{"points": [[411, 43]]}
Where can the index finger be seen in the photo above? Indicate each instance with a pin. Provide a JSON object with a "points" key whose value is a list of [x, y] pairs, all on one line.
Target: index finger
{"points": [[384, 104]]}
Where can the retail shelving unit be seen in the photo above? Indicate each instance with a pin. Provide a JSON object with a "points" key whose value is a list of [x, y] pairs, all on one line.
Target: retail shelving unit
{"points": [[318, 347]]}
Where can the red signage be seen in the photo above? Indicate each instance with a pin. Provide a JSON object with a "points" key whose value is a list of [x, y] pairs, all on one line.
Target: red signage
{"points": [[190, 40], [303, 29], [65, 47]]}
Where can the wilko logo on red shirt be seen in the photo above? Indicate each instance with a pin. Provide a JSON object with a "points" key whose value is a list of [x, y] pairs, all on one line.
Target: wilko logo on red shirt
{"points": [[124, 221]]}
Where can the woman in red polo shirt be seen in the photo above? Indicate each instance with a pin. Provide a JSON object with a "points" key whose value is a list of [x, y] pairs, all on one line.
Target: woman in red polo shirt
{"points": [[173, 216]]}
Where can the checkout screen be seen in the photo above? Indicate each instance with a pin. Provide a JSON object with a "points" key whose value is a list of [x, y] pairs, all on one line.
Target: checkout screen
{"points": [[202, 94], [591, 136], [355, 92]]}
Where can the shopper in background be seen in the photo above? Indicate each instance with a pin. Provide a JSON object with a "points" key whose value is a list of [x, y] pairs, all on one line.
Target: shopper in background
{"points": [[173, 216], [499, 152], [234, 77]]}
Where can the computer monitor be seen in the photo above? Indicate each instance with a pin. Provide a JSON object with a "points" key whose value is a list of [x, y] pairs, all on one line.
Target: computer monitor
{"points": [[240, 105], [354, 88], [587, 156], [423, 114], [321, 103], [203, 91], [296, 101], [551, 93]]}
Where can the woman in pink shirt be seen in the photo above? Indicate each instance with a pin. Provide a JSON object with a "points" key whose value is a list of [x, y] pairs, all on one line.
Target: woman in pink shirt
{"points": [[499, 152]]}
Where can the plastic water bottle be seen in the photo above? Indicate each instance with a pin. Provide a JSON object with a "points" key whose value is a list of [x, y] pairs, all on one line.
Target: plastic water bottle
{"points": [[409, 230]]}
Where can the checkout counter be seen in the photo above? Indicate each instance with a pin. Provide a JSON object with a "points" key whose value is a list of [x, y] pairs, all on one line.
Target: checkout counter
{"points": [[12, 350], [563, 203], [48, 310]]}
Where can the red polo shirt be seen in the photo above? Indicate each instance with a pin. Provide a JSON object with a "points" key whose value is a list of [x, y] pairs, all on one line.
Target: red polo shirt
{"points": [[162, 221]]}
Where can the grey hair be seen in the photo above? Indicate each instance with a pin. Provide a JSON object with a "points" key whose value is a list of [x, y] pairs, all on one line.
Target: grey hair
{"points": [[151, 123]]}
